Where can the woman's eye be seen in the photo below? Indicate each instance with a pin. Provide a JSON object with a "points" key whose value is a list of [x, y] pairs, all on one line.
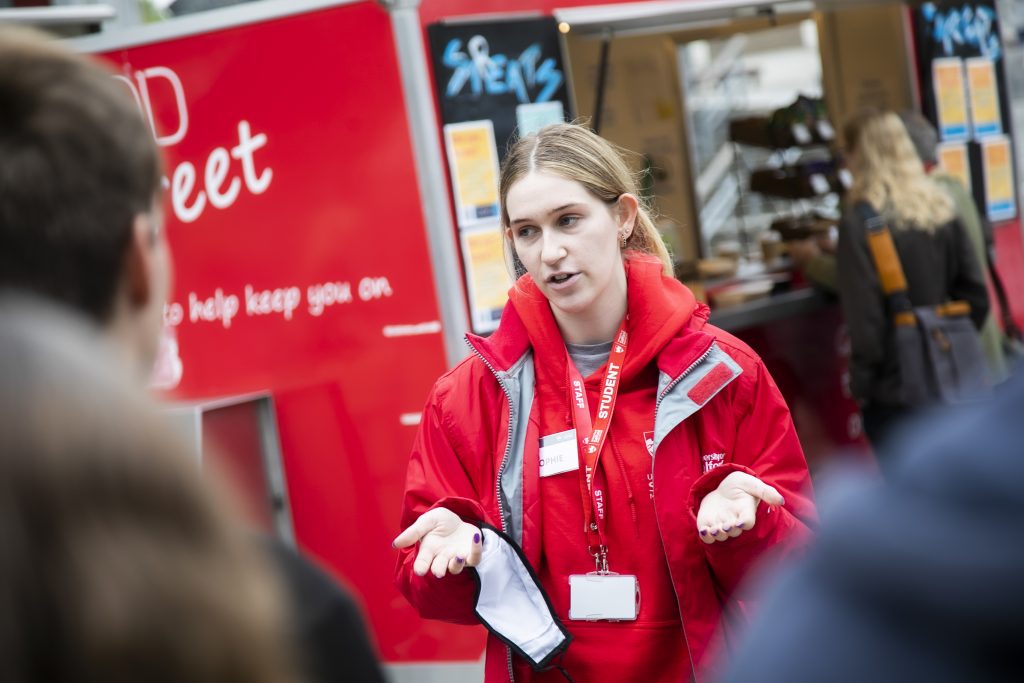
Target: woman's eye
{"points": [[568, 221], [525, 231]]}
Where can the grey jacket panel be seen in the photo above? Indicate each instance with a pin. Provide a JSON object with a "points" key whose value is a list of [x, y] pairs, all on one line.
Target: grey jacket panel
{"points": [[519, 383], [676, 405]]}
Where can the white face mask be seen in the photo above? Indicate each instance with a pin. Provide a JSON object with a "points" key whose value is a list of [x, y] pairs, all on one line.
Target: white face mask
{"points": [[512, 604]]}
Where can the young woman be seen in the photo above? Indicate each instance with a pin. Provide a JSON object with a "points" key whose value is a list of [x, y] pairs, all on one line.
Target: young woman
{"points": [[933, 247], [605, 446]]}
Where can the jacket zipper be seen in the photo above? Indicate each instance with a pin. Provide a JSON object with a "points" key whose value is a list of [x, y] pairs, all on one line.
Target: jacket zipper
{"points": [[680, 377], [501, 468], [679, 609], [654, 462]]}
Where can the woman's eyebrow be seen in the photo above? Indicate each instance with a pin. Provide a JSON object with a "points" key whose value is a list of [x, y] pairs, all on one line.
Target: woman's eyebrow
{"points": [[555, 210]]}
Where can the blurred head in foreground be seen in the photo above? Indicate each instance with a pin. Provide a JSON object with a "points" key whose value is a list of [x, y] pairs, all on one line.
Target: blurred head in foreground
{"points": [[80, 177], [117, 564]]}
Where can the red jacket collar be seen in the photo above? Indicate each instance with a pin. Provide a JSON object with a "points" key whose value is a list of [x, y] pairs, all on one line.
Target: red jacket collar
{"points": [[665, 322]]}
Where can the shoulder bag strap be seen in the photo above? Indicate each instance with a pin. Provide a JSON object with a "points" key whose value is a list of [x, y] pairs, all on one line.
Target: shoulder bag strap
{"points": [[887, 260]]}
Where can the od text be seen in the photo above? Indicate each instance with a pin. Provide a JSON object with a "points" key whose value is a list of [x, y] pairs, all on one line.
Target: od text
{"points": [[221, 307], [158, 89]]}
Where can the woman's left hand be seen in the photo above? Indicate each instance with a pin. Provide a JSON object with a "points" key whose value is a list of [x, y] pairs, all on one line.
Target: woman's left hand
{"points": [[731, 508]]}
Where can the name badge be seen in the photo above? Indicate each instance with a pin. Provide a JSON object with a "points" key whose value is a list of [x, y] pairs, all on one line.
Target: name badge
{"points": [[603, 597], [558, 453]]}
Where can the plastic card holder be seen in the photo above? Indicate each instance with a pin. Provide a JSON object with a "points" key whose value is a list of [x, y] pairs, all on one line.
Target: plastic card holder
{"points": [[603, 597]]}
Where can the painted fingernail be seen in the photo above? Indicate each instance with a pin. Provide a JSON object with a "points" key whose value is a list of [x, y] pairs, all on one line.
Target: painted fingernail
{"points": [[476, 538], [703, 532], [460, 560], [727, 529]]}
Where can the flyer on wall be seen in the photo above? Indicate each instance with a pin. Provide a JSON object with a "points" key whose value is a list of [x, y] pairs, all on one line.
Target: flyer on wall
{"points": [[1000, 199], [533, 116], [954, 161], [487, 276], [473, 160], [984, 98], [950, 97]]}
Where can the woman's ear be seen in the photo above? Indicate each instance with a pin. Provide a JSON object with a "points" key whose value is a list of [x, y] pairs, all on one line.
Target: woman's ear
{"points": [[626, 209]]}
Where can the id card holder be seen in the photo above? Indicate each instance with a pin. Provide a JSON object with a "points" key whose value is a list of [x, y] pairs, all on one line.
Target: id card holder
{"points": [[559, 453], [603, 597]]}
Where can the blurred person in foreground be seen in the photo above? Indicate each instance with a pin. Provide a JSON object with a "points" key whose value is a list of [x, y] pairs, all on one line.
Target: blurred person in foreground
{"points": [[914, 579], [117, 562], [81, 225]]}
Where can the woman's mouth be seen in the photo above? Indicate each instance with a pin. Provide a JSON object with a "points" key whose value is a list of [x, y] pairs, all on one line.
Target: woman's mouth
{"points": [[562, 280]]}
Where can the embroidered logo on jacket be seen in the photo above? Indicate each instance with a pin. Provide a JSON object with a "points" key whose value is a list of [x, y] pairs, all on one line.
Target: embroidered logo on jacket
{"points": [[712, 460]]}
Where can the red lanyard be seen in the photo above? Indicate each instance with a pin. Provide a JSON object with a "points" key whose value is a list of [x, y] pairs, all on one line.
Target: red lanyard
{"points": [[591, 436]]}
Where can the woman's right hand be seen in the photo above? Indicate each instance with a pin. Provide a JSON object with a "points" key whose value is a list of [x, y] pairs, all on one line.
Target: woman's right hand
{"points": [[447, 544]]}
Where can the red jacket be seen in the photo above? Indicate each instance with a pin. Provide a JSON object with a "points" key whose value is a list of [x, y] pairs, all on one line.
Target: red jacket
{"points": [[718, 411]]}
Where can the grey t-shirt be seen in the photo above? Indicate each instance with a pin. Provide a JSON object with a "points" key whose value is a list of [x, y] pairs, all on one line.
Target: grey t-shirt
{"points": [[589, 357]]}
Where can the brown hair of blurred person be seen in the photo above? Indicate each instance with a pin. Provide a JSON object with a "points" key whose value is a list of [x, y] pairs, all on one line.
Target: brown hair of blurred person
{"points": [[117, 563], [80, 176]]}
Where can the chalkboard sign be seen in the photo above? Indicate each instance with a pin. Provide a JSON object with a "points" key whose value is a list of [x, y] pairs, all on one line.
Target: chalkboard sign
{"points": [[963, 92], [508, 72]]}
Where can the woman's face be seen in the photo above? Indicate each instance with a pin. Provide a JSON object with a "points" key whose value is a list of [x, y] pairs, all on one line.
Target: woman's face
{"points": [[568, 239]]}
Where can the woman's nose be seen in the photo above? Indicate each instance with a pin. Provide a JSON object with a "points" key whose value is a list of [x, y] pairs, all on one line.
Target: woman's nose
{"points": [[552, 249]]}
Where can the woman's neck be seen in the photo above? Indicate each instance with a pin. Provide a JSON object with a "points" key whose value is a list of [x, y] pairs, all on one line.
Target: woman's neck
{"points": [[596, 325]]}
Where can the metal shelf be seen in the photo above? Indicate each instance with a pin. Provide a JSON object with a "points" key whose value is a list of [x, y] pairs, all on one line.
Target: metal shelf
{"points": [[64, 15]]}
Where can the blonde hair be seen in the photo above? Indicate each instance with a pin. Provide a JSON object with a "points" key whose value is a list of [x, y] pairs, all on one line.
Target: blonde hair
{"points": [[889, 175], [574, 152]]}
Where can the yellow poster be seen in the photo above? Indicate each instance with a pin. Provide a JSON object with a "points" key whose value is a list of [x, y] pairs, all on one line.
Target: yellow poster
{"points": [[953, 160], [950, 97], [981, 82], [486, 275], [996, 160], [473, 160]]}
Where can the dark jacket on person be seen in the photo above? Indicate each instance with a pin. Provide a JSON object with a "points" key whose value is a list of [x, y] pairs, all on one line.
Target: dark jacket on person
{"points": [[326, 623], [822, 271], [939, 265], [916, 579]]}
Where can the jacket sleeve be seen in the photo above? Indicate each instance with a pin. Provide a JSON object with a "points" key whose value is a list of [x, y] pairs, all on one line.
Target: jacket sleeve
{"points": [[438, 477], [968, 282], [766, 447], [863, 304], [822, 271]]}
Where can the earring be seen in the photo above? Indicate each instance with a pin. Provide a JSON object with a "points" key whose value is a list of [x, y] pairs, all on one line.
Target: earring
{"points": [[623, 241]]}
